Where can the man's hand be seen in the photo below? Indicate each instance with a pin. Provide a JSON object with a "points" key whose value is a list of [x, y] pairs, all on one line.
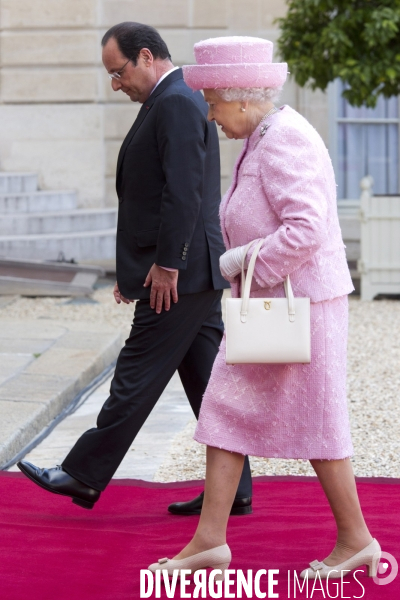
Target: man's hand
{"points": [[119, 297], [163, 286]]}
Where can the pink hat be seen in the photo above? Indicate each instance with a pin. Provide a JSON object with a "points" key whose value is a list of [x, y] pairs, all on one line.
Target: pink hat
{"points": [[236, 61]]}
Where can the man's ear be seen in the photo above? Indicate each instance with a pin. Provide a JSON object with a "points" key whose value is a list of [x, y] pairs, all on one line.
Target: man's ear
{"points": [[146, 56]]}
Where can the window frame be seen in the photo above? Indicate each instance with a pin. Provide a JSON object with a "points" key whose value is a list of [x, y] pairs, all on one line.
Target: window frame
{"points": [[335, 120]]}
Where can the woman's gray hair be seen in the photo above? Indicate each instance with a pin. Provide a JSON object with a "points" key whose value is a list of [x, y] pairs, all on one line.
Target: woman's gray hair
{"points": [[249, 94]]}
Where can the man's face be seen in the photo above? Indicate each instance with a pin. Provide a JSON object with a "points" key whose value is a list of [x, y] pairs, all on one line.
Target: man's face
{"points": [[137, 81]]}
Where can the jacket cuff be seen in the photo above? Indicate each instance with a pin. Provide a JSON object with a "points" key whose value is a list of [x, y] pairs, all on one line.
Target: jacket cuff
{"points": [[167, 268]]}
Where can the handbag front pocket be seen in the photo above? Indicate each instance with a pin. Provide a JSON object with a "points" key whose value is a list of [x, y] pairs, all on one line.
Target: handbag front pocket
{"points": [[266, 330], [267, 335]]}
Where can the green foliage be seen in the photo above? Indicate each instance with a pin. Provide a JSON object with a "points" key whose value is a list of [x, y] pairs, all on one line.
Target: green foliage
{"points": [[356, 40]]}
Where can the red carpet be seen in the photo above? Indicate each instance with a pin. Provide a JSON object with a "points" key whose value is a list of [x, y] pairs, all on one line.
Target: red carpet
{"points": [[53, 550]]}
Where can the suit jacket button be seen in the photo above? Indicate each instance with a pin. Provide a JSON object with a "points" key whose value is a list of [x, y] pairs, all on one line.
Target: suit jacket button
{"points": [[183, 257], [184, 253]]}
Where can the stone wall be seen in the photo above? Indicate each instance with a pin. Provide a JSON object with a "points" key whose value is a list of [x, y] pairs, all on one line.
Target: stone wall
{"points": [[58, 114]]}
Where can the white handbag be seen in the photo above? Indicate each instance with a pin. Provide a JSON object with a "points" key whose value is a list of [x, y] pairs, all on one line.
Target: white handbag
{"points": [[266, 330]]}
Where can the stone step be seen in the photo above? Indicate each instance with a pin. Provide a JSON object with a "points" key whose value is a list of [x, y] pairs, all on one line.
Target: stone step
{"points": [[84, 245], [42, 278], [18, 182], [36, 390], [34, 201], [58, 222]]}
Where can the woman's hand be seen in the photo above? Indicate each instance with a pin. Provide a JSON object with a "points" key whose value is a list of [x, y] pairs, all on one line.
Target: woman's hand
{"points": [[230, 263]]}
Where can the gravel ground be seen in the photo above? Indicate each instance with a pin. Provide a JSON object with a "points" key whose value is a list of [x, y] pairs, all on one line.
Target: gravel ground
{"points": [[100, 307], [373, 384], [374, 404]]}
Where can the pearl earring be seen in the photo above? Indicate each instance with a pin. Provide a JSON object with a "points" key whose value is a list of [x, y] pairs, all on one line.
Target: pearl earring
{"points": [[242, 109]]}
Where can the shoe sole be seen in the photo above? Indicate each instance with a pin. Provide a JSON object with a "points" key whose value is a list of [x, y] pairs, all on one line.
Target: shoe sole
{"points": [[235, 512], [78, 501], [241, 510]]}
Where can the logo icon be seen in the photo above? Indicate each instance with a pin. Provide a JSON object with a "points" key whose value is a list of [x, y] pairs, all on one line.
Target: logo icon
{"points": [[383, 569]]}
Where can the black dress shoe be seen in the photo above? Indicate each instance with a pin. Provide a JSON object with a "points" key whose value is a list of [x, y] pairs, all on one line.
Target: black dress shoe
{"points": [[58, 481], [240, 506]]}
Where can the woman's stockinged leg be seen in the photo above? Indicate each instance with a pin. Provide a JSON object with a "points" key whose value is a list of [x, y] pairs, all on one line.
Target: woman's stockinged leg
{"points": [[338, 483], [223, 472]]}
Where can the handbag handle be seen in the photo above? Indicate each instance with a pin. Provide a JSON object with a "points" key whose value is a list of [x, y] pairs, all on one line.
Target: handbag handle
{"points": [[246, 284]]}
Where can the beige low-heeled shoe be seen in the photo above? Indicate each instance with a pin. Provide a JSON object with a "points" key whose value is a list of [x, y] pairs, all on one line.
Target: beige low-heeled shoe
{"points": [[216, 558], [370, 556]]}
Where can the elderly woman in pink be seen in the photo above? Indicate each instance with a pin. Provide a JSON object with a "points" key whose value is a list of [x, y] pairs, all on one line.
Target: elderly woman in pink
{"points": [[283, 192]]}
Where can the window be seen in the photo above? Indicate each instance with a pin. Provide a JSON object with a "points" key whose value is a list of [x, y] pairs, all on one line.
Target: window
{"points": [[365, 141]]}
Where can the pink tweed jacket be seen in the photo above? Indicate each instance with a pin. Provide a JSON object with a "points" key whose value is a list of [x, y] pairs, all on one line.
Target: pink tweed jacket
{"points": [[284, 191]]}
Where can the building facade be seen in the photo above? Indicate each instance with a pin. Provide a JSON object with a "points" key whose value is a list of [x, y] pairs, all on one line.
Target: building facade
{"points": [[60, 118], [58, 114]]}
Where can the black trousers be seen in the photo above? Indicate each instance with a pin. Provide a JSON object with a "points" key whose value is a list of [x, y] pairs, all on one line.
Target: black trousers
{"points": [[187, 338]]}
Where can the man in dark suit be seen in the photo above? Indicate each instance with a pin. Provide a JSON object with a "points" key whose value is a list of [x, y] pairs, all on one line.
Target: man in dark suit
{"points": [[168, 248]]}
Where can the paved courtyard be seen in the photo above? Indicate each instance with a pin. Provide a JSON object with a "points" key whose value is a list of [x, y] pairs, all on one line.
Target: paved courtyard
{"points": [[147, 453], [165, 451]]}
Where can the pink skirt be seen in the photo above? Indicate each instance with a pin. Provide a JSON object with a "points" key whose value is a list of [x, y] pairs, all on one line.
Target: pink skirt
{"points": [[286, 410]]}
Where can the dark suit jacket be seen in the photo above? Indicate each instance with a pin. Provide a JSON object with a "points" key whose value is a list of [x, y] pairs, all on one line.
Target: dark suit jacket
{"points": [[168, 185]]}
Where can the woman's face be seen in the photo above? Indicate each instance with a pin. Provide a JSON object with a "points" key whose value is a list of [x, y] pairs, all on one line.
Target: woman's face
{"points": [[228, 115]]}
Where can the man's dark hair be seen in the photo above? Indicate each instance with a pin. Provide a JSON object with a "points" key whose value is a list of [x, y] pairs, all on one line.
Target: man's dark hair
{"points": [[131, 37]]}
